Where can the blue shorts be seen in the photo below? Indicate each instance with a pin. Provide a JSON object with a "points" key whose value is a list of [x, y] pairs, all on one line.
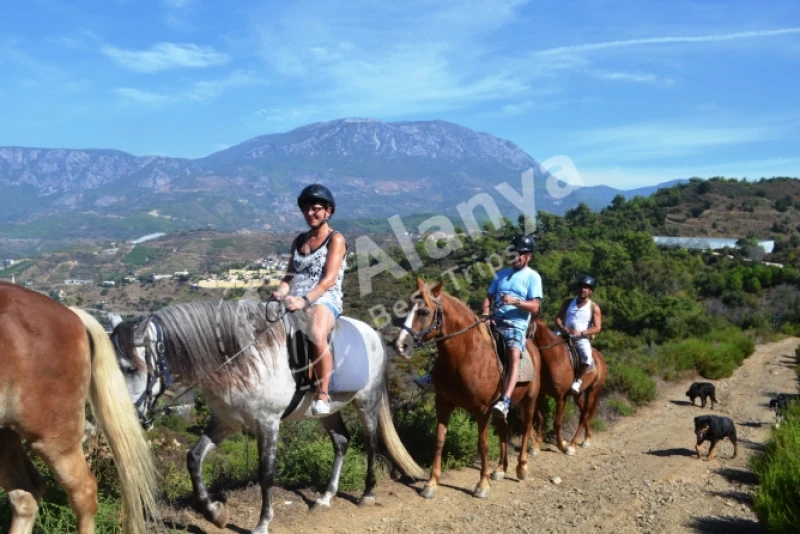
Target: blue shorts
{"points": [[336, 313], [513, 334]]}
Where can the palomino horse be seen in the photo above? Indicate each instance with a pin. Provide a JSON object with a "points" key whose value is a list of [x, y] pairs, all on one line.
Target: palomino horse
{"points": [[240, 363], [557, 378], [51, 359], [465, 375]]}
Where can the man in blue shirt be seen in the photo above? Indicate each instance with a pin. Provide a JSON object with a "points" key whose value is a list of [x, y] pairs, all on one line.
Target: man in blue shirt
{"points": [[514, 295]]}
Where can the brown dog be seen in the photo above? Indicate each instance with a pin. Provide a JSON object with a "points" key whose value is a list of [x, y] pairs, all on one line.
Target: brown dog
{"points": [[714, 428]]}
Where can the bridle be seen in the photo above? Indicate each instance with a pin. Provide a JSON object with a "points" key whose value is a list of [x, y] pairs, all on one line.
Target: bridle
{"points": [[157, 373], [436, 324]]}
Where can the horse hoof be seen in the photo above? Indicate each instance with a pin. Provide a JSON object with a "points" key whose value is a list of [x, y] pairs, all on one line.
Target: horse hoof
{"points": [[533, 452], [429, 492], [522, 473], [218, 514], [570, 451], [367, 500], [320, 507], [564, 445], [480, 493], [586, 445], [498, 475]]}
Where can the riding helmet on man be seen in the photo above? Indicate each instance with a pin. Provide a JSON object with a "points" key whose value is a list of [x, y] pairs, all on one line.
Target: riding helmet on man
{"points": [[586, 280], [316, 193], [523, 244]]}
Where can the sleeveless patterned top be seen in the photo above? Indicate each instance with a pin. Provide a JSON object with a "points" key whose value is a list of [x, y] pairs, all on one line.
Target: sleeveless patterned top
{"points": [[309, 270]]}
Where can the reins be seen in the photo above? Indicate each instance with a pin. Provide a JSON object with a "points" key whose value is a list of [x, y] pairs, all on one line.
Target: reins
{"points": [[437, 324]]}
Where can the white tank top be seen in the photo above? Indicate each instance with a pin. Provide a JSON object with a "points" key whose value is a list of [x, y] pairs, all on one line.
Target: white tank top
{"points": [[578, 318]]}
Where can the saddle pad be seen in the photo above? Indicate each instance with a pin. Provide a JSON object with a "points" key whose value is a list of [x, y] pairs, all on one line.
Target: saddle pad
{"points": [[526, 371], [350, 360]]}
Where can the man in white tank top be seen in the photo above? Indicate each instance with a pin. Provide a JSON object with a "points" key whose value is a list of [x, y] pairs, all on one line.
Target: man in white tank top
{"points": [[581, 318]]}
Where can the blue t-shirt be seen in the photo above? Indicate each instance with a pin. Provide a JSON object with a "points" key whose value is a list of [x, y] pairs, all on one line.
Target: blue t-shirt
{"points": [[524, 284]]}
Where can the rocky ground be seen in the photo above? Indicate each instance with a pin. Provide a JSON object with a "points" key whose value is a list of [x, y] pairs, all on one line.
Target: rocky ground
{"points": [[640, 476]]}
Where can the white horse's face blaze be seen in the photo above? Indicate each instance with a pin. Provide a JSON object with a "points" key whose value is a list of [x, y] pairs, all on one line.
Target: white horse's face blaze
{"points": [[420, 317]]}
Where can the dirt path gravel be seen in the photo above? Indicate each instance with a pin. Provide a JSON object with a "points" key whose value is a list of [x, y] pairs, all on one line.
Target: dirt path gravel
{"points": [[640, 476]]}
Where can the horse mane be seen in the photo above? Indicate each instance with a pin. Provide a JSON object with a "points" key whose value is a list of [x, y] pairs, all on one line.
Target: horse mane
{"points": [[201, 336]]}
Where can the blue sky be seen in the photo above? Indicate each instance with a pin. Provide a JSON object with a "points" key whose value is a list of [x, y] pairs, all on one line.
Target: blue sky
{"points": [[634, 92]]}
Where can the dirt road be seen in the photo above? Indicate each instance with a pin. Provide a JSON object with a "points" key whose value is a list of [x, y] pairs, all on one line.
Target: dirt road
{"points": [[640, 476]]}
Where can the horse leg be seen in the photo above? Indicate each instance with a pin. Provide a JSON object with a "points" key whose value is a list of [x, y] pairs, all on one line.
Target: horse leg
{"points": [[561, 403], [594, 395], [340, 439], [21, 481], [214, 433], [583, 403], [538, 425], [267, 447], [502, 433], [70, 470], [443, 412], [482, 489], [368, 413], [527, 407]]}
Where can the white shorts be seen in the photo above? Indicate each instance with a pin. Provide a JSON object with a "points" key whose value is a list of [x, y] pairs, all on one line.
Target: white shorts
{"points": [[584, 350]]}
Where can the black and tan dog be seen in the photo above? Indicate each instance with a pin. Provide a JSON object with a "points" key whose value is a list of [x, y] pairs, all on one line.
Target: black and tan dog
{"points": [[702, 390], [714, 428], [780, 404]]}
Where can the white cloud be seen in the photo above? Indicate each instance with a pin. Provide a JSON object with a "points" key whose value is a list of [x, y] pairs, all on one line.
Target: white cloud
{"points": [[590, 47], [147, 98], [177, 4], [634, 77], [164, 56], [208, 90], [201, 91], [639, 142]]}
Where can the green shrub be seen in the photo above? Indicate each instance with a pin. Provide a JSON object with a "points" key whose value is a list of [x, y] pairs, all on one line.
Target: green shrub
{"points": [[633, 382], [598, 425], [778, 472], [417, 430], [621, 407]]}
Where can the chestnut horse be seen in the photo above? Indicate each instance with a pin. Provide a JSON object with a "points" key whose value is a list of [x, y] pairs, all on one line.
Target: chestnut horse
{"points": [[51, 359], [465, 375], [557, 377]]}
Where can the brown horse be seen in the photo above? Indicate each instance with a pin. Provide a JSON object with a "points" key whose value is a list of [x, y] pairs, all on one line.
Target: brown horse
{"points": [[557, 377], [51, 359], [465, 375]]}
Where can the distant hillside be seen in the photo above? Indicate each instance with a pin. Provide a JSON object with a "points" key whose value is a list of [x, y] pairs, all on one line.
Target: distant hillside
{"points": [[767, 209], [376, 169]]}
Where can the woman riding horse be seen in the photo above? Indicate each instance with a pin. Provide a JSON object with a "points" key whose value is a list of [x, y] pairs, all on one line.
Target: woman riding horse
{"points": [[313, 282]]}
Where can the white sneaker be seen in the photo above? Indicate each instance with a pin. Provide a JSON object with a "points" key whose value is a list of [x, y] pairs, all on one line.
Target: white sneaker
{"points": [[500, 408], [576, 386], [320, 407]]}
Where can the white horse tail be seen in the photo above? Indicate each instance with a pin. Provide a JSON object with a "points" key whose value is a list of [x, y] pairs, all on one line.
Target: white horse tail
{"points": [[397, 450], [111, 405]]}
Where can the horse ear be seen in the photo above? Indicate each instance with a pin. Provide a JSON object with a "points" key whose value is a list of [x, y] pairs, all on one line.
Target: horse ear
{"points": [[437, 289], [140, 331], [420, 284]]}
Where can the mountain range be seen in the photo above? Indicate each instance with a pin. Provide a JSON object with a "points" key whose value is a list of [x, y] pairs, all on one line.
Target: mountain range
{"points": [[376, 169]]}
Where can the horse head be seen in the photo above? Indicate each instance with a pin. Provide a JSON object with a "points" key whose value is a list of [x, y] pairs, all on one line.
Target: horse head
{"points": [[135, 351], [424, 318]]}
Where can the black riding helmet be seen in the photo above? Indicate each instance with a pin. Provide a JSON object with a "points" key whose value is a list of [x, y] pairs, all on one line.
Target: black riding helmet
{"points": [[586, 280], [316, 193], [523, 244]]}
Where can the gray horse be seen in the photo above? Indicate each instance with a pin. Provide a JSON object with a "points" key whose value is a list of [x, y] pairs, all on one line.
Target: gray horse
{"points": [[239, 361]]}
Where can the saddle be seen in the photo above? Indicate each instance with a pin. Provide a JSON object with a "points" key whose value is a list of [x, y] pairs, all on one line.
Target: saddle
{"points": [[501, 352], [350, 361]]}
